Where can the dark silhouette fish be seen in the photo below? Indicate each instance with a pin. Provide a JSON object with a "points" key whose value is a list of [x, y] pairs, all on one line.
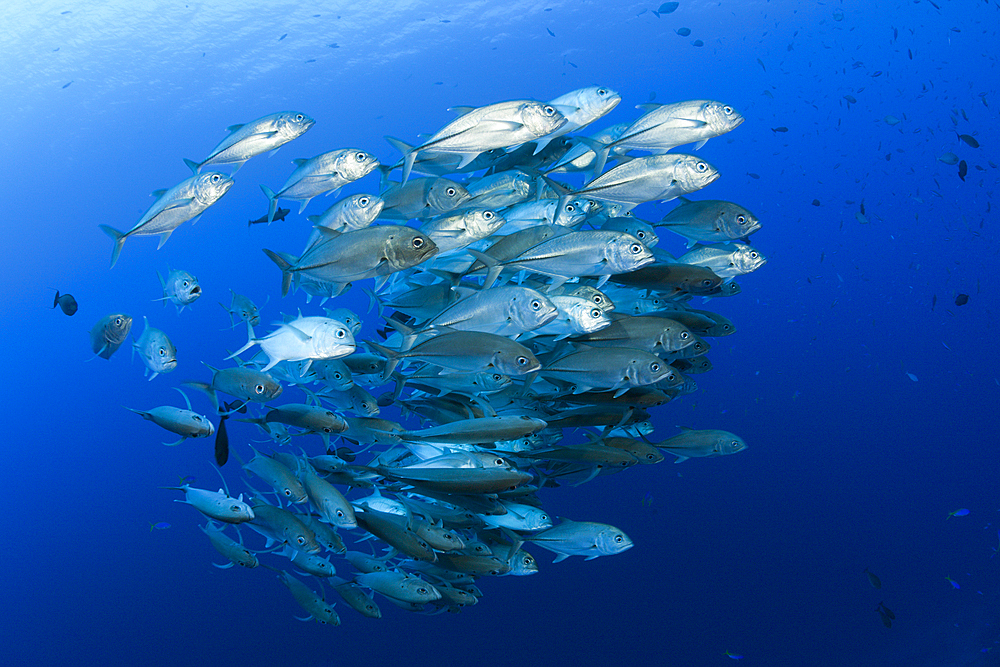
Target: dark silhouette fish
{"points": [[222, 436], [963, 169], [66, 302], [961, 299], [278, 215]]}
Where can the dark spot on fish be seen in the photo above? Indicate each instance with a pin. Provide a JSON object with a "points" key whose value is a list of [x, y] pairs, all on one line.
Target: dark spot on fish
{"points": [[956, 30], [961, 299], [283, 36], [66, 12], [815, 202], [55, 49], [68, 84], [550, 32]]}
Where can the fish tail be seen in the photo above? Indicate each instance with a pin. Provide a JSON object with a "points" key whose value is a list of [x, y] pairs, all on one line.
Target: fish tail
{"points": [[192, 165], [55, 301], [250, 343], [399, 145], [383, 177], [273, 199], [119, 238], [285, 266], [408, 161], [208, 389]]}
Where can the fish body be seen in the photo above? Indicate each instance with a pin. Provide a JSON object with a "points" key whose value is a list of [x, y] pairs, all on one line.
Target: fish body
{"points": [[277, 474], [333, 508], [581, 108], [500, 189], [505, 311], [709, 442], [326, 172], [156, 350], [307, 598], [652, 334], [476, 131], [243, 308], [672, 279], [259, 136], [582, 538], [710, 221], [234, 551], [575, 315], [217, 505], [649, 178], [246, 384], [466, 352], [453, 231], [305, 338], [352, 212], [281, 526], [615, 368], [109, 333], [363, 253], [399, 586], [422, 198], [726, 260], [185, 201], [278, 215], [180, 288], [355, 596], [66, 302], [666, 126], [185, 423]]}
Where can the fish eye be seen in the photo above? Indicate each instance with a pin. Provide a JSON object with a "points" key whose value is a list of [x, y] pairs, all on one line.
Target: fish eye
{"points": [[418, 242], [215, 178], [549, 111], [741, 219], [727, 110], [246, 315], [196, 418], [299, 117], [118, 321], [422, 590], [450, 192], [753, 255], [570, 208], [340, 333], [598, 298], [259, 389], [300, 539], [536, 304], [655, 367], [635, 248], [641, 235], [185, 283], [364, 201], [522, 361], [327, 429], [287, 492], [340, 513], [234, 508], [489, 215], [163, 351], [595, 313], [702, 167], [498, 462], [618, 539], [360, 157], [685, 335], [670, 377], [497, 377], [602, 91], [706, 283]]}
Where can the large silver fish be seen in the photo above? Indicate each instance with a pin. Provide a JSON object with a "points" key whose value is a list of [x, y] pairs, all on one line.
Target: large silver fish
{"points": [[185, 201], [109, 333], [327, 172], [180, 288], [259, 136], [582, 538], [156, 351], [710, 221], [650, 178]]}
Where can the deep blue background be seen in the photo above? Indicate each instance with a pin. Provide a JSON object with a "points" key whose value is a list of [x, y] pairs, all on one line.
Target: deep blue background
{"points": [[851, 463]]}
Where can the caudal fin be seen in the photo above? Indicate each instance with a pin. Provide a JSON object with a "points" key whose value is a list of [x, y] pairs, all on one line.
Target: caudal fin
{"points": [[192, 165], [284, 263], [119, 238], [273, 199]]}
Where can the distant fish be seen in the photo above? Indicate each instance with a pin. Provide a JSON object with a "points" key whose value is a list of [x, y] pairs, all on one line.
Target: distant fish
{"points": [[109, 333], [278, 215], [283, 36], [961, 512], [964, 137], [872, 579], [697, 42], [66, 302], [160, 525], [961, 299], [954, 584], [667, 8], [948, 158], [753, 175], [891, 120], [68, 85], [779, 129], [963, 169], [815, 202], [550, 32], [684, 32]]}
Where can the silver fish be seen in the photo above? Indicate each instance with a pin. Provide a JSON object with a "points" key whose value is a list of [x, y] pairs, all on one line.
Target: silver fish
{"points": [[109, 333], [259, 136], [180, 288], [710, 221], [582, 538], [185, 201], [156, 350], [327, 172]]}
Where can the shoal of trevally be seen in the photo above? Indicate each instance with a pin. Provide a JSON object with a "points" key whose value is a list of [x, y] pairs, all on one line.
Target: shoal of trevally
{"points": [[526, 330]]}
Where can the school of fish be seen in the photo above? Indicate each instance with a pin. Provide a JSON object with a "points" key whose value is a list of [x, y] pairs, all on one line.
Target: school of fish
{"points": [[520, 333]]}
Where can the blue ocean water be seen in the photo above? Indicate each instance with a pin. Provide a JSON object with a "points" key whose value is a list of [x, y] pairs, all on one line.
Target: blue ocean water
{"points": [[868, 397]]}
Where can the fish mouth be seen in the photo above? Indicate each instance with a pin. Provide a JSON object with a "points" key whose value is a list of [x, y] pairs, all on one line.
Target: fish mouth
{"points": [[195, 291]]}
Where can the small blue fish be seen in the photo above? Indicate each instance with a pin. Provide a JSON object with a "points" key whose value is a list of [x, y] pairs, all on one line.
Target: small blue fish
{"points": [[954, 584], [162, 525], [734, 656], [961, 512]]}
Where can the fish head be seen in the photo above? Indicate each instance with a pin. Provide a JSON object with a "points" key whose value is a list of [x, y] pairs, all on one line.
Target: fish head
{"points": [[515, 361], [721, 117], [735, 221], [598, 101], [408, 248], [261, 387], [182, 287], [624, 253], [199, 426], [612, 541], [236, 511], [333, 339], [361, 210], [115, 328], [481, 223], [748, 258], [541, 119], [730, 444], [210, 186], [353, 164], [445, 195], [292, 124], [692, 174], [530, 309]]}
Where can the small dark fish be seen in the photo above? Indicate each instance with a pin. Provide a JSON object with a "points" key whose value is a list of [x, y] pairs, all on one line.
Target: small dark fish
{"points": [[222, 443], [963, 169], [877, 73], [936, 6], [886, 611], [850, 99], [66, 12], [66, 302], [278, 215], [445, 21], [311, 60], [815, 202], [779, 129], [862, 206], [68, 84], [697, 42], [873, 580], [933, 301], [283, 36], [334, 45], [667, 8], [572, 64], [684, 32], [961, 299], [759, 61], [909, 52], [550, 32], [964, 137], [753, 175], [162, 525], [886, 621]]}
